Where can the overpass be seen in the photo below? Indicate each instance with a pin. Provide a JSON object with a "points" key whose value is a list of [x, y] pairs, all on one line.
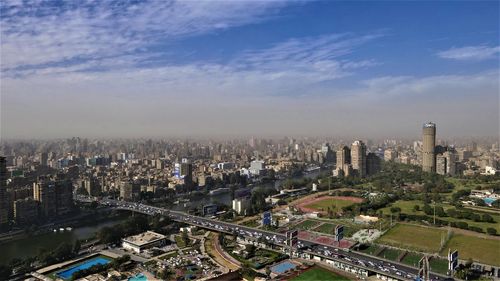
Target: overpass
{"points": [[352, 261]]}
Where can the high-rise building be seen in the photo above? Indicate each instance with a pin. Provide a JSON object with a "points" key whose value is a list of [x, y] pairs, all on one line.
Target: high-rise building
{"points": [[129, 190], [358, 158], [343, 156], [25, 210], [92, 186], [372, 164], [4, 207], [390, 155], [44, 159], [343, 164], [54, 196], [64, 195], [429, 144], [44, 192]]}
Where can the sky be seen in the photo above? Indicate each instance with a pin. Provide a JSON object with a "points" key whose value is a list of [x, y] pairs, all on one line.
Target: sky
{"points": [[248, 68]]}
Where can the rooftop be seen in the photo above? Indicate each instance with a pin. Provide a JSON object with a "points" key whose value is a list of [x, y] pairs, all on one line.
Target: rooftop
{"points": [[144, 238]]}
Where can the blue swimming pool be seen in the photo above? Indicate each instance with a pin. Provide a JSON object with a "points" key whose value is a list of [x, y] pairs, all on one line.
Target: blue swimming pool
{"points": [[66, 274], [488, 201], [138, 277], [282, 267]]}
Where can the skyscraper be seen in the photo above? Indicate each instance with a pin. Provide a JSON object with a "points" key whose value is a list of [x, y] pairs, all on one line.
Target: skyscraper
{"points": [[358, 158], [429, 143], [4, 208], [343, 164]]}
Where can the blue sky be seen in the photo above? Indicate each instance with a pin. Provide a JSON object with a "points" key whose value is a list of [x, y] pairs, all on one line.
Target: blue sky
{"points": [[271, 68]]}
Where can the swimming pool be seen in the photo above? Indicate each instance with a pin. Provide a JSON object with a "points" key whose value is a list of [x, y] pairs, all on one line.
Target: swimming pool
{"points": [[66, 274], [282, 267], [488, 201], [138, 277]]}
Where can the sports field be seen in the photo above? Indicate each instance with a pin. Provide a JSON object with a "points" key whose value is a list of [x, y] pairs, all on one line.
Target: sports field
{"points": [[335, 203], [307, 224], [318, 274], [481, 249], [407, 207], [413, 237]]}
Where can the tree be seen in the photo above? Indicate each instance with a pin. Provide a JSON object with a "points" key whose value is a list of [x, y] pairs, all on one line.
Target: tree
{"points": [[5, 272], [491, 231], [416, 208], [76, 247], [395, 210], [428, 209], [165, 274], [185, 238], [488, 218], [250, 248]]}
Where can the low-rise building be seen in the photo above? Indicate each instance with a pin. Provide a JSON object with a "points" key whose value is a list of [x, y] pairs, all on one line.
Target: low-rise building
{"points": [[145, 240]]}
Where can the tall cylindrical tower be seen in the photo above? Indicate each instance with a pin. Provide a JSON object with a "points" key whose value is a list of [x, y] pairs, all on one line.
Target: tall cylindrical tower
{"points": [[429, 143]]}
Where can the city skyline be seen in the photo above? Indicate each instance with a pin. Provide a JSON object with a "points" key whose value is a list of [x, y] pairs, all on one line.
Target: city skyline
{"points": [[210, 69]]}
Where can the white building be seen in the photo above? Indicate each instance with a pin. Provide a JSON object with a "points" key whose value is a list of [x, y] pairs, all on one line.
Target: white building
{"points": [[143, 241], [241, 205], [257, 168]]}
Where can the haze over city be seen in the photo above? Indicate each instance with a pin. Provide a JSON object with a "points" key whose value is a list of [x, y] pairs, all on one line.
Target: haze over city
{"points": [[249, 140], [243, 68]]}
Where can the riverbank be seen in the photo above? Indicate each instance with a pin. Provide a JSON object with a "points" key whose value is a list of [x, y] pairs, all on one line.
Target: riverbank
{"points": [[31, 245]]}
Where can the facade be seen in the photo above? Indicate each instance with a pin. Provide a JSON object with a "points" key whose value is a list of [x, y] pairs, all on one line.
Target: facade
{"points": [[441, 164], [44, 192], [343, 164], [358, 158], [257, 168], [372, 164], [429, 144], [4, 206], [25, 210], [44, 159], [143, 241], [390, 155], [92, 187], [241, 205], [64, 196], [129, 190]]}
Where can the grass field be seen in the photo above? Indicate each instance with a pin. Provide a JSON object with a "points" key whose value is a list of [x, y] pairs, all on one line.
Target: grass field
{"points": [[407, 208], [335, 204], [478, 248], [390, 254], [411, 259], [307, 224], [413, 237], [370, 249], [318, 274], [439, 265], [326, 228]]}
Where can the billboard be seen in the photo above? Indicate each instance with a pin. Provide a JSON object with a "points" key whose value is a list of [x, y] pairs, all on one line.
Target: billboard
{"points": [[339, 232], [292, 238], [267, 218], [452, 260], [209, 209]]}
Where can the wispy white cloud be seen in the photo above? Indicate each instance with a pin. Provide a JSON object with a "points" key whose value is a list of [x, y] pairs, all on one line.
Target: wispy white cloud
{"points": [[471, 53], [42, 32]]}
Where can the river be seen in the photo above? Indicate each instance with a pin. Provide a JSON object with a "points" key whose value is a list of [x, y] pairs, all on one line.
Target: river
{"points": [[225, 198], [29, 246]]}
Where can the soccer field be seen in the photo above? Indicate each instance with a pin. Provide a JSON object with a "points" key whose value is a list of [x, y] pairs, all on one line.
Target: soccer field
{"points": [[485, 250], [413, 237], [318, 274], [335, 204]]}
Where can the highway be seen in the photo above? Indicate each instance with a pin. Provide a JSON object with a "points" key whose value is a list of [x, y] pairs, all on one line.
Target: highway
{"points": [[349, 257]]}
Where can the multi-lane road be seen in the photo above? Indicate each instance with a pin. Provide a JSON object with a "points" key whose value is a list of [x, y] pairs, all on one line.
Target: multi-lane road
{"points": [[347, 257]]}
